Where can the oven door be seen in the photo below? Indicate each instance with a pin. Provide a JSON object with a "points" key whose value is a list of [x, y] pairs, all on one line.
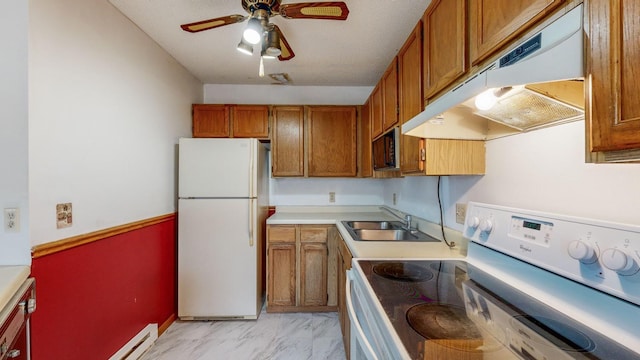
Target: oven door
{"points": [[370, 335], [360, 347]]}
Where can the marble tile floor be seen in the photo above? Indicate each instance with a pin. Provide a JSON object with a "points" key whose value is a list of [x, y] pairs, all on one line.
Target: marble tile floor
{"points": [[274, 336]]}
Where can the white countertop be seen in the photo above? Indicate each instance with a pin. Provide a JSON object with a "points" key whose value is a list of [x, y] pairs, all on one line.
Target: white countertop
{"points": [[373, 249], [11, 278]]}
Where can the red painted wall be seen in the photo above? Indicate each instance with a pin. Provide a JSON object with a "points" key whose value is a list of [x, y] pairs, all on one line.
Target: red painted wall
{"points": [[92, 299]]}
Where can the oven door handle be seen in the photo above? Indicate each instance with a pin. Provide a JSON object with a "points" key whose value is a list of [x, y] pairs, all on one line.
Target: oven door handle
{"points": [[355, 325]]}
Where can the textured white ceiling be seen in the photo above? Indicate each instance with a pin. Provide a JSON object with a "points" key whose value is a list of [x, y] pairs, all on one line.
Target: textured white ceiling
{"points": [[354, 52]]}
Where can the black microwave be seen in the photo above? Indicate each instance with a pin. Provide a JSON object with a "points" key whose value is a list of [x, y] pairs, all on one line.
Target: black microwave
{"points": [[385, 151]]}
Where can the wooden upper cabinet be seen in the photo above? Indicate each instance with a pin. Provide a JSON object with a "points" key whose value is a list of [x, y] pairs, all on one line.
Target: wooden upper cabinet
{"points": [[210, 120], [390, 96], [332, 141], [250, 121], [445, 44], [454, 157], [287, 145], [493, 23], [364, 141], [376, 111], [613, 66], [241, 121], [410, 96]]}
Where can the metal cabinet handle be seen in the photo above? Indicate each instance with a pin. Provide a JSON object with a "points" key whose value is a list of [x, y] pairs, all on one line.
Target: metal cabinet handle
{"points": [[31, 305], [13, 354]]}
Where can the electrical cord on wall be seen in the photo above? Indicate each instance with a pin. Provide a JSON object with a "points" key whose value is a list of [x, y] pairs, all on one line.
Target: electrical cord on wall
{"points": [[452, 244]]}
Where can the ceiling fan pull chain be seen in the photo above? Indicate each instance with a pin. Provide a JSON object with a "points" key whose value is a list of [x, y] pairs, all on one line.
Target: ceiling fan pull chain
{"points": [[261, 70]]}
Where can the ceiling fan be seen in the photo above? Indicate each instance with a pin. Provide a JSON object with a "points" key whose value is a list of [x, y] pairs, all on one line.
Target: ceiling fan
{"points": [[259, 29]]}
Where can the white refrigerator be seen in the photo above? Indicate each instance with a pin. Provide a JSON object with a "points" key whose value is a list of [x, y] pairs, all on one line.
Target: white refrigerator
{"points": [[222, 206]]}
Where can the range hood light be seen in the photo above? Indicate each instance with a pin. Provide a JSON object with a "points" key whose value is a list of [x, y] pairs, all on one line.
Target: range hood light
{"points": [[487, 99]]}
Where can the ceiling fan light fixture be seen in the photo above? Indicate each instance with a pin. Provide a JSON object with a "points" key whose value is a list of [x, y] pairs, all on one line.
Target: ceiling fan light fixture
{"points": [[253, 32], [265, 55], [244, 47], [272, 47]]}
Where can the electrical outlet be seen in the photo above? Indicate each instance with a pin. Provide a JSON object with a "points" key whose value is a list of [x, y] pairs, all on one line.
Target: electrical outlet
{"points": [[12, 220], [395, 199], [332, 197], [461, 212], [64, 216]]}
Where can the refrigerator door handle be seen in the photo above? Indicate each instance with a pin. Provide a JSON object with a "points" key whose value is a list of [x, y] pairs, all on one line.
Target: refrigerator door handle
{"points": [[252, 154], [251, 222]]}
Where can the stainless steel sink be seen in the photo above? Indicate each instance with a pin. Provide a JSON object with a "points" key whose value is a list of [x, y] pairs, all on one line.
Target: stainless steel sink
{"points": [[384, 231], [373, 225]]}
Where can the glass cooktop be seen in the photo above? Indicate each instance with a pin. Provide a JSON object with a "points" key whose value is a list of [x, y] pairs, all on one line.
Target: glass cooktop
{"points": [[449, 309]]}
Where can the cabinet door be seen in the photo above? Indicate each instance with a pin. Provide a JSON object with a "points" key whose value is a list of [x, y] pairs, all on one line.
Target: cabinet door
{"points": [[287, 143], [410, 97], [376, 111], [344, 264], [445, 44], [332, 141], [210, 120], [454, 157], [281, 274], [492, 23], [390, 96], [250, 121], [614, 110], [364, 141], [313, 274]]}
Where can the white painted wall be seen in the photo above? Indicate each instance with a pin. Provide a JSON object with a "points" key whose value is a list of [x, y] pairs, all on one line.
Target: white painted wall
{"points": [[107, 106], [542, 170], [545, 170], [315, 191], [14, 247]]}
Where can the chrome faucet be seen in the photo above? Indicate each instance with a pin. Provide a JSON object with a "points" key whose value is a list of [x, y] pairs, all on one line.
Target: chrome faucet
{"points": [[407, 220]]}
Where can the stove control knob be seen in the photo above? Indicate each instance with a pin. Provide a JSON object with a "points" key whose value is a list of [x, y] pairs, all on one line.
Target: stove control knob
{"points": [[582, 252], [486, 226], [618, 261], [473, 222]]}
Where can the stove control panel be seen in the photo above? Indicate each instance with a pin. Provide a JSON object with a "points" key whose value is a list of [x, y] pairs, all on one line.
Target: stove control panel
{"points": [[602, 255]]}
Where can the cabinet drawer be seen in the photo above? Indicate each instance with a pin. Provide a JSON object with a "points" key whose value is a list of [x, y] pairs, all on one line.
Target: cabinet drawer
{"points": [[314, 234], [281, 234]]}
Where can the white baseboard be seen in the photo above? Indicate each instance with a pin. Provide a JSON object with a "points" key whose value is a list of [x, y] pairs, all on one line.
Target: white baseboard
{"points": [[138, 344]]}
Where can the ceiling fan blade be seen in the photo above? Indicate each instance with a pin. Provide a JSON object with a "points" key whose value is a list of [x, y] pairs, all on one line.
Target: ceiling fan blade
{"points": [[213, 23], [333, 10], [286, 53]]}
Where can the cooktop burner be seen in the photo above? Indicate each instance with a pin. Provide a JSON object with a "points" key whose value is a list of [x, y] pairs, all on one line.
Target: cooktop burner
{"points": [[403, 272], [442, 321]]}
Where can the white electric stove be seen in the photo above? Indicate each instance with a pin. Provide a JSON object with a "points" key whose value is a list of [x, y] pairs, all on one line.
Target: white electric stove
{"points": [[533, 286]]}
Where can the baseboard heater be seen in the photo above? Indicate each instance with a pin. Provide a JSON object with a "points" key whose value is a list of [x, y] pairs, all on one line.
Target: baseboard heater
{"points": [[134, 349]]}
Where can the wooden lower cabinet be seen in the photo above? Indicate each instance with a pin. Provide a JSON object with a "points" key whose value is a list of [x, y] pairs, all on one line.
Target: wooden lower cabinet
{"points": [[282, 261], [313, 274], [299, 276], [343, 264]]}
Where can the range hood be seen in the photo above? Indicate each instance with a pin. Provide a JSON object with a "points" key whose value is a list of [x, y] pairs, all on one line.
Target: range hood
{"points": [[538, 82]]}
